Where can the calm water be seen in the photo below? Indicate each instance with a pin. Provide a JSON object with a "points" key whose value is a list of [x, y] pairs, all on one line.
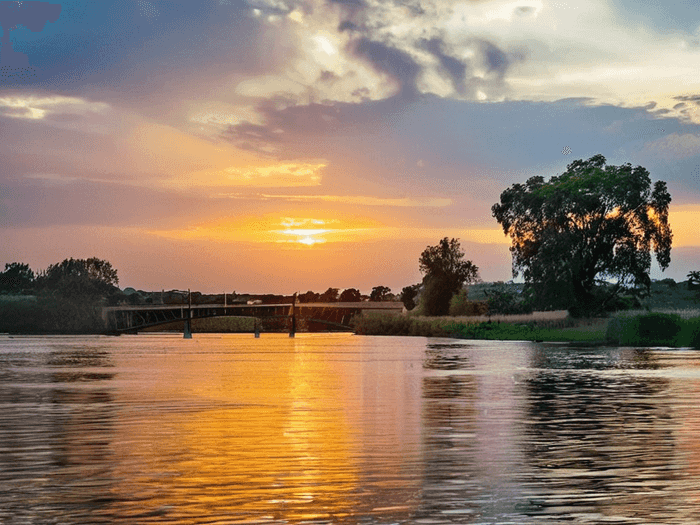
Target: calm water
{"points": [[345, 429]]}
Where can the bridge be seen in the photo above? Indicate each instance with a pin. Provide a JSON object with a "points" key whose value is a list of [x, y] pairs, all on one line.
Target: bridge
{"points": [[131, 319]]}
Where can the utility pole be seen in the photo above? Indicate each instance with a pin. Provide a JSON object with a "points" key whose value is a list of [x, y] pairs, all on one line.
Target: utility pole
{"points": [[293, 328], [188, 321]]}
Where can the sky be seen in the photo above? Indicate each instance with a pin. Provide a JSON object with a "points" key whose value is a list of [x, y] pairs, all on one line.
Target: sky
{"points": [[274, 146]]}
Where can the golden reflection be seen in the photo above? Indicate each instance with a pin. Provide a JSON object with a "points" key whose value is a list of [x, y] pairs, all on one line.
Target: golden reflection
{"points": [[275, 429]]}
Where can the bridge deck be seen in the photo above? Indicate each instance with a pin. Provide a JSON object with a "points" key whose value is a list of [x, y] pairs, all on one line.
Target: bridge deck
{"points": [[132, 318], [365, 305]]}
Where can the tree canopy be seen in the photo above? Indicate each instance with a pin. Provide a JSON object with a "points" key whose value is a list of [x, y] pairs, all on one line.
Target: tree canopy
{"points": [[445, 272], [350, 295], [408, 296], [91, 277], [592, 225], [17, 278], [379, 293], [329, 296], [694, 280]]}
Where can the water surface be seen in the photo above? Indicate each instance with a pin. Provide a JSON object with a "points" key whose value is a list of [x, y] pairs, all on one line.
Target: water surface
{"points": [[337, 428]]}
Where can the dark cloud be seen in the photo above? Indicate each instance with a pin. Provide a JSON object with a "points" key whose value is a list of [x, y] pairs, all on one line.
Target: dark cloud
{"points": [[354, 3], [495, 59], [396, 63], [695, 99], [327, 76], [347, 25], [456, 69], [135, 44]]}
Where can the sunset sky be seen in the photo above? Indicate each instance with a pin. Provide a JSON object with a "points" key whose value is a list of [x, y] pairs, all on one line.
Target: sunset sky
{"points": [[273, 146]]}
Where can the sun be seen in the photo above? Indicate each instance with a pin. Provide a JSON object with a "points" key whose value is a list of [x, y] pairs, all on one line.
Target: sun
{"points": [[303, 230]]}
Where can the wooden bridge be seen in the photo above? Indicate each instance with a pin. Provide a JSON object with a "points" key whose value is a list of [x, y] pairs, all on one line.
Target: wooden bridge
{"points": [[131, 319]]}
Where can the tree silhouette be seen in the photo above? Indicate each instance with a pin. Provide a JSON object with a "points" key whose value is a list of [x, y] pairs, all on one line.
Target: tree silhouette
{"points": [[408, 296], [445, 272], [16, 278], [582, 229], [379, 293], [350, 295]]}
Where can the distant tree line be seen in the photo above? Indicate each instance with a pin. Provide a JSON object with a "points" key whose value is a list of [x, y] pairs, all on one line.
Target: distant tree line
{"points": [[66, 297], [348, 295], [91, 278]]}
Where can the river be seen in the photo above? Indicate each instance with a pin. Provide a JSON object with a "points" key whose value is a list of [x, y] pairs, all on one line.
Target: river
{"points": [[336, 428]]}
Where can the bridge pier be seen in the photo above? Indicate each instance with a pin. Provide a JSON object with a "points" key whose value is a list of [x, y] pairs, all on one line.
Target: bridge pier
{"points": [[188, 322]]}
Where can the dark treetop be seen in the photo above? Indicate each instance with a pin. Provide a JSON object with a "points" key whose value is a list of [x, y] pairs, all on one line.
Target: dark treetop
{"points": [[591, 223]]}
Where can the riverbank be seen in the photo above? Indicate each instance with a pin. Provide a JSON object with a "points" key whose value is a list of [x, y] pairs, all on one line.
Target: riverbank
{"points": [[50, 315], [624, 329]]}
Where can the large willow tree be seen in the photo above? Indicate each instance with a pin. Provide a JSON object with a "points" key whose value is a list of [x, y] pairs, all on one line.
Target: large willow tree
{"points": [[591, 226]]}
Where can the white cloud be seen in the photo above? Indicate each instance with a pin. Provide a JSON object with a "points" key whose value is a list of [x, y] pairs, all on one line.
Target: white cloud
{"points": [[37, 107], [555, 49]]}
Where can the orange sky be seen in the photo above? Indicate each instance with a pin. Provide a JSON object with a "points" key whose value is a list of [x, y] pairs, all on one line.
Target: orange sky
{"points": [[256, 148]]}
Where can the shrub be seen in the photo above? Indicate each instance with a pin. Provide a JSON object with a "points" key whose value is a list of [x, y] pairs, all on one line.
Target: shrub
{"points": [[507, 302], [653, 329], [690, 334], [461, 305]]}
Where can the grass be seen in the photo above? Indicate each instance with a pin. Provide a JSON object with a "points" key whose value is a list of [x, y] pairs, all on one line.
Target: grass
{"points": [[538, 326], [641, 328], [655, 329]]}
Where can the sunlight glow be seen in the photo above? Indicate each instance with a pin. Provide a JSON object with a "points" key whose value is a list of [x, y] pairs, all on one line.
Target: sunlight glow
{"points": [[38, 108]]}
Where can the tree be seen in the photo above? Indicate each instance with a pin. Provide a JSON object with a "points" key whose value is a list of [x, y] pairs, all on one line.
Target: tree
{"points": [[408, 296], [350, 295], [308, 297], [445, 272], [379, 293], [16, 278], [694, 280], [87, 278], [329, 296], [591, 225]]}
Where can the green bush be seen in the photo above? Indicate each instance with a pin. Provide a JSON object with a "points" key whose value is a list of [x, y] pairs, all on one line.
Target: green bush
{"points": [[653, 329], [50, 315], [690, 333], [460, 305]]}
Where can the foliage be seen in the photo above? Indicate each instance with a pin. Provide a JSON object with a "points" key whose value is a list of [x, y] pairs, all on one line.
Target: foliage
{"points": [[461, 305], [502, 300], [350, 295], [309, 297], [592, 223], [17, 278], [329, 296], [652, 329], [379, 293], [408, 296], [80, 278], [445, 272], [694, 280], [50, 315], [387, 324], [409, 325]]}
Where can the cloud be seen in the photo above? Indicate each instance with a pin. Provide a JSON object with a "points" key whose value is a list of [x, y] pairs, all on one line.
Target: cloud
{"points": [[396, 63], [674, 146], [405, 202], [55, 109], [263, 174]]}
